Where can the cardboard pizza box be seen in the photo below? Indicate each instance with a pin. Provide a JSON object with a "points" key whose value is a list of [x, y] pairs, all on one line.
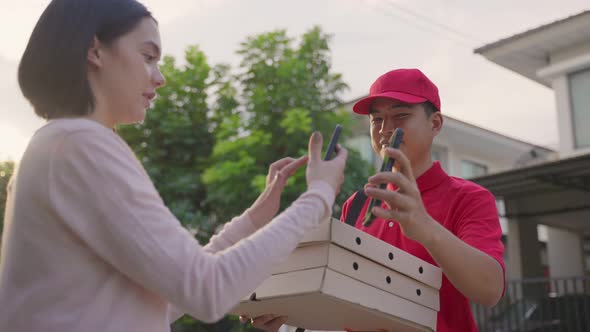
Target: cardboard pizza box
{"points": [[357, 267], [343, 235], [326, 300]]}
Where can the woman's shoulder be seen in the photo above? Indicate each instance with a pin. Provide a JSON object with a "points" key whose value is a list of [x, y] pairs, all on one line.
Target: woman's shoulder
{"points": [[65, 140], [76, 131], [69, 126]]}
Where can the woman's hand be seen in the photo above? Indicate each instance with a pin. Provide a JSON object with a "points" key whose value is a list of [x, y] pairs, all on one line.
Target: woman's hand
{"points": [[268, 203]]}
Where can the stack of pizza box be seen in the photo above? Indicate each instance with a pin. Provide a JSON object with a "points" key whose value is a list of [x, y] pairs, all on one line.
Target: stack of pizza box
{"points": [[340, 277]]}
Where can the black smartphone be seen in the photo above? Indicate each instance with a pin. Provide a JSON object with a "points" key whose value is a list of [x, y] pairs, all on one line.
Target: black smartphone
{"points": [[394, 142], [333, 142]]}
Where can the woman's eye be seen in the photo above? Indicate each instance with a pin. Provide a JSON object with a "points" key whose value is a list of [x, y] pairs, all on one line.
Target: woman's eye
{"points": [[149, 57]]}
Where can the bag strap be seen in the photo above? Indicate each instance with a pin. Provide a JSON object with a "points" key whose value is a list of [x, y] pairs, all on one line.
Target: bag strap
{"points": [[356, 206]]}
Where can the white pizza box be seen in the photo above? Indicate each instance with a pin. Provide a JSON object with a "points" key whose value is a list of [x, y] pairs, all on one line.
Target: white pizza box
{"points": [[348, 237], [326, 300], [357, 267]]}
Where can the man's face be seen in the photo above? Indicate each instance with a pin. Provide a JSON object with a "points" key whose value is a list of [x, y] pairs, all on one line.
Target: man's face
{"points": [[419, 130]]}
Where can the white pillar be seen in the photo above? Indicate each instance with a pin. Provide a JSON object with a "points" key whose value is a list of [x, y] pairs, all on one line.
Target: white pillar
{"points": [[524, 257], [565, 258], [524, 254]]}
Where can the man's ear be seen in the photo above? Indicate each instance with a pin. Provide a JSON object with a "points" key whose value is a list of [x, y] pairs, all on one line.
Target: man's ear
{"points": [[94, 56], [436, 121]]}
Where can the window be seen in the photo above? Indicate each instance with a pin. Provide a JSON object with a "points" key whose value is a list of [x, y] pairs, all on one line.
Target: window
{"points": [[471, 169], [579, 83]]}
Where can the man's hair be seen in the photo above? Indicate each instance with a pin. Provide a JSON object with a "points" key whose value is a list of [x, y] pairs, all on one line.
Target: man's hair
{"points": [[429, 108]]}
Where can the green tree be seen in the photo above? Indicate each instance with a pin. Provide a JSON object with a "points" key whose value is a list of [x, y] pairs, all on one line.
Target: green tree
{"points": [[6, 169], [286, 92]]}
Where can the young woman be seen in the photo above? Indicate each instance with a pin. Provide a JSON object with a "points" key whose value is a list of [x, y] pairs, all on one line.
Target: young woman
{"points": [[88, 243]]}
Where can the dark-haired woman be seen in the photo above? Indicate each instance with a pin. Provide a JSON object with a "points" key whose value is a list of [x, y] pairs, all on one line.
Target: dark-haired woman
{"points": [[88, 244]]}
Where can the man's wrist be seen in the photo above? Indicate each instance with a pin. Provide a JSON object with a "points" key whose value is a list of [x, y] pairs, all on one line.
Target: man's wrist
{"points": [[433, 232]]}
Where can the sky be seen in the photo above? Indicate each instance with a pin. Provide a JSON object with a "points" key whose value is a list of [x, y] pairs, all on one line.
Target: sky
{"points": [[369, 38]]}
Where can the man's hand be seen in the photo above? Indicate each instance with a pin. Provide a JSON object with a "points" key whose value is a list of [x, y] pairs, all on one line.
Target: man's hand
{"points": [[405, 204], [267, 323], [485, 282]]}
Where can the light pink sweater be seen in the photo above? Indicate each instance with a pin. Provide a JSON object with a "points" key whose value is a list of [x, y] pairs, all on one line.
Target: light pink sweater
{"points": [[88, 244]]}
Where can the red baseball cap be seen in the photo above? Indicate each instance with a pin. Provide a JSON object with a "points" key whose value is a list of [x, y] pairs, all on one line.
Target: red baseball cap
{"points": [[407, 85]]}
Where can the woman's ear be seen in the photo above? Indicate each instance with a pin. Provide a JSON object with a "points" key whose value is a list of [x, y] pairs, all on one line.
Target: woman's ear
{"points": [[94, 54]]}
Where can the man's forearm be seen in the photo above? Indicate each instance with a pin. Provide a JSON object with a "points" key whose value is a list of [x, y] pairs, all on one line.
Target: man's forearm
{"points": [[475, 274]]}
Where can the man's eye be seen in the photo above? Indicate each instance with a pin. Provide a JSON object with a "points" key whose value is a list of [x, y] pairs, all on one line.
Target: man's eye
{"points": [[149, 57]]}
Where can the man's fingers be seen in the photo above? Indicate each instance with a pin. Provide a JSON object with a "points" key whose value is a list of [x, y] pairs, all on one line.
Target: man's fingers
{"points": [[370, 185], [397, 178], [261, 321], [385, 214], [275, 324], [394, 199], [402, 163]]}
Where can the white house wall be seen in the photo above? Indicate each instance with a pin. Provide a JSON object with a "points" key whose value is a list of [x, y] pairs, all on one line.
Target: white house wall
{"points": [[562, 64]]}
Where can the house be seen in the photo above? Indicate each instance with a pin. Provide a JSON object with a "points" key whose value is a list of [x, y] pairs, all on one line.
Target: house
{"points": [[554, 193]]}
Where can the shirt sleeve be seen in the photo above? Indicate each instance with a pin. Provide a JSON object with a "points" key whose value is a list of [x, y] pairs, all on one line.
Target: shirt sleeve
{"points": [[102, 193], [478, 225]]}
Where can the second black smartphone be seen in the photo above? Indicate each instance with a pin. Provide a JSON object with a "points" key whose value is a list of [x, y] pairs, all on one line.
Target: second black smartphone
{"points": [[333, 142]]}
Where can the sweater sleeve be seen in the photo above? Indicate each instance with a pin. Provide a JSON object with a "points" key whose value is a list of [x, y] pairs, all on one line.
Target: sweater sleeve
{"points": [[103, 194], [232, 232]]}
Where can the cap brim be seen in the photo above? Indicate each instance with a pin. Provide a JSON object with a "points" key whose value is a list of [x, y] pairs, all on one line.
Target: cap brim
{"points": [[363, 106]]}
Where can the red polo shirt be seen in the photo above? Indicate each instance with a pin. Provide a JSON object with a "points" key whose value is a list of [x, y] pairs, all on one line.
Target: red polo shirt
{"points": [[468, 211]]}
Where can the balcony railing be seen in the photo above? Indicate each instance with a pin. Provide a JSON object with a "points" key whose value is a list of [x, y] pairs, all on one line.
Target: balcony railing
{"points": [[540, 304]]}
